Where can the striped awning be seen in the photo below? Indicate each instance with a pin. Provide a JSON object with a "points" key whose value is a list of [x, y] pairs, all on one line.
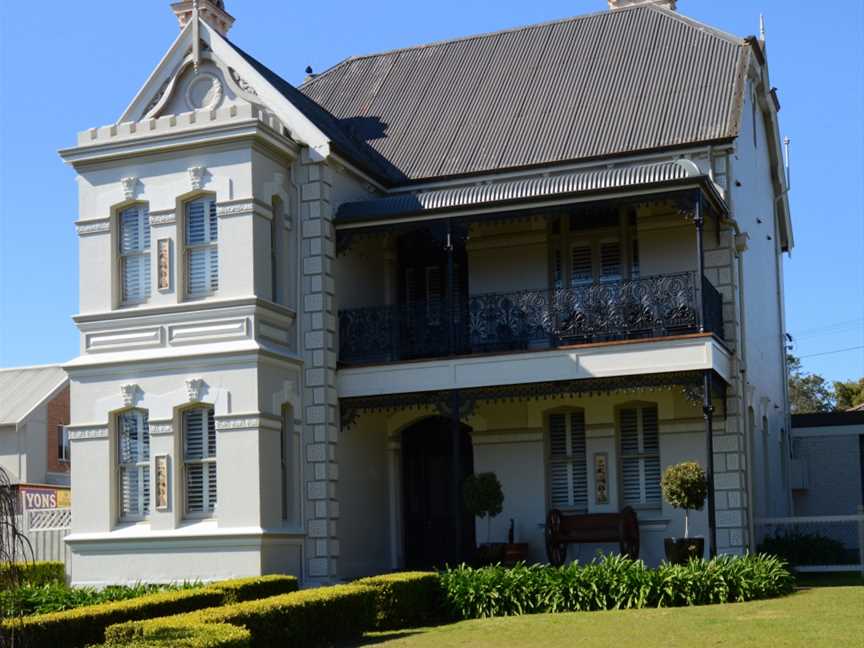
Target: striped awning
{"points": [[515, 192]]}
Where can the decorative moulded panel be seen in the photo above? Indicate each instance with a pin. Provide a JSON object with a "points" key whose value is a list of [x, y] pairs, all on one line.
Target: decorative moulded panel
{"points": [[162, 481], [86, 228], [163, 264], [601, 478], [87, 432], [206, 332], [150, 336]]}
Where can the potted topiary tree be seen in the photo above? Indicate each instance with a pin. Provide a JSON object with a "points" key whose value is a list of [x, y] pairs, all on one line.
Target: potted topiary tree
{"points": [[484, 499], [685, 486]]}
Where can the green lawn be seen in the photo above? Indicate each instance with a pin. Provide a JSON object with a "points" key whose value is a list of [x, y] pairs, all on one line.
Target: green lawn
{"points": [[822, 616]]}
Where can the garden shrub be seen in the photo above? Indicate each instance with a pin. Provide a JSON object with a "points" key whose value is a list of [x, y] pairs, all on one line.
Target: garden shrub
{"points": [[36, 574], [405, 599], [55, 597], [255, 587], [611, 583], [800, 548], [313, 617], [86, 625], [170, 634]]}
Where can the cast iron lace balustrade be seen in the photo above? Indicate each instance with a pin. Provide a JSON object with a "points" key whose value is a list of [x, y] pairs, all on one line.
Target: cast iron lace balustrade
{"points": [[656, 306]]}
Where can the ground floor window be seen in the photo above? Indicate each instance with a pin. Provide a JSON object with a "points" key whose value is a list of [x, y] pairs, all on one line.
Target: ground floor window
{"points": [[639, 442], [568, 474], [199, 461], [133, 445]]}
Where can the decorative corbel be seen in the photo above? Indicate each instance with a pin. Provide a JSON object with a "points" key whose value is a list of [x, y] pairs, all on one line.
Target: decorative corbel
{"points": [[130, 394], [130, 184], [195, 389], [196, 177]]}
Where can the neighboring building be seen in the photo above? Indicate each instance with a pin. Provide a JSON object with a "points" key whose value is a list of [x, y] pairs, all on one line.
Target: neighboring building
{"points": [[34, 410], [553, 252], [827, 463]]}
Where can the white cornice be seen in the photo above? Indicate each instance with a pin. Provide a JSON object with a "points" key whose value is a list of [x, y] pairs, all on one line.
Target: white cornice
{"points": [[189, 136]]}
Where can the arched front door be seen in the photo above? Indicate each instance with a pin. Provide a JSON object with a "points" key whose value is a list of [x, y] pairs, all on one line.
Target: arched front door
{"points": [[437, 530]]}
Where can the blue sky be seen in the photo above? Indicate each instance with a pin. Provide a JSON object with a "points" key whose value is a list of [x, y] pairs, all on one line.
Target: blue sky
{"points": [[67, 66]]}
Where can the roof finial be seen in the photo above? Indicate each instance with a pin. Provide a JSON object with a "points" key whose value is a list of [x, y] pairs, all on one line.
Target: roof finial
{"points": [[196, 38], [211, 12], [762, 27]]}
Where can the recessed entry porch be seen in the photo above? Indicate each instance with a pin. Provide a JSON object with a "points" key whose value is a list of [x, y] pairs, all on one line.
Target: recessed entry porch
{"points": [[579, 446]]}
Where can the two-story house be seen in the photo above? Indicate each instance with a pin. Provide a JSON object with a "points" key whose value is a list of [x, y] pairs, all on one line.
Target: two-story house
{"points": [[552, 252]]}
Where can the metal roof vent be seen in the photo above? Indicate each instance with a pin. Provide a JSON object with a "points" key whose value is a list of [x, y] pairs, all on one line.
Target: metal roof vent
{"points": [[621, 4]]}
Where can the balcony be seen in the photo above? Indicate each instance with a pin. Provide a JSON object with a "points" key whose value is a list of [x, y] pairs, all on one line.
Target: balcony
{"points": [[530, 320]]}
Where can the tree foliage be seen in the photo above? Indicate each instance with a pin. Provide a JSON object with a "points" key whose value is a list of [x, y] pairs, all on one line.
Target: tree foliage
{"points": [[849, 394], [807, 392], [483, 495]]}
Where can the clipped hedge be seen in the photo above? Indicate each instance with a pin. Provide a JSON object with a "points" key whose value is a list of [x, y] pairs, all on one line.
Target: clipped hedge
{"points": [[37, 574], [86, 625], [613, 582], [405, 599], [314, 617], [169, 634], [255, 587]]}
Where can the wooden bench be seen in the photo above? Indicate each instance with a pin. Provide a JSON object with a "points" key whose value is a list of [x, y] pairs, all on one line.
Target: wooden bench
{"points": [[563, 529]]}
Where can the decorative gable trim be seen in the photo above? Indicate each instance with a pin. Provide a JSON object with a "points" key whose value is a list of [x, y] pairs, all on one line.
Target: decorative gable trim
{"points": [[159, 86]]}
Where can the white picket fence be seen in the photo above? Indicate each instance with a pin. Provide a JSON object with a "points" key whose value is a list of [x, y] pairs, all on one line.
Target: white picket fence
{"points": [[46, 529], [847, 529]]}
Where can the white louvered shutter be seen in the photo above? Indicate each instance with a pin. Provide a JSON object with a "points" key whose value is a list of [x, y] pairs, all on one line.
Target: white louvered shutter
{"points": [[640, 456], [202, 251], [610, 260], [434, 294], [199, 455], [134, 239], [651, 455], [581, 271], [134, 464], [568, 473]]}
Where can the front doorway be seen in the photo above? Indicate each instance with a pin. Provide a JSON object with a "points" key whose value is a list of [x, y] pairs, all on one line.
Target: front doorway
{"points": [[437, 532]]}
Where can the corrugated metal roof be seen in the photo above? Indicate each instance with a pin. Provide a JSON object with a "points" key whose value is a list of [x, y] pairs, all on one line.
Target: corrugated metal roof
{"points": [[23, 389], [598, 85], [499, 193]]}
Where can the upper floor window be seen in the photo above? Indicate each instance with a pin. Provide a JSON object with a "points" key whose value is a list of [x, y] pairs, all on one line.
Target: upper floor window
{"points": [[202, 250], [134, 255], [640, 456], [593, 247], [568, 473], [63, 448], [199, 461], [133, 461]]}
